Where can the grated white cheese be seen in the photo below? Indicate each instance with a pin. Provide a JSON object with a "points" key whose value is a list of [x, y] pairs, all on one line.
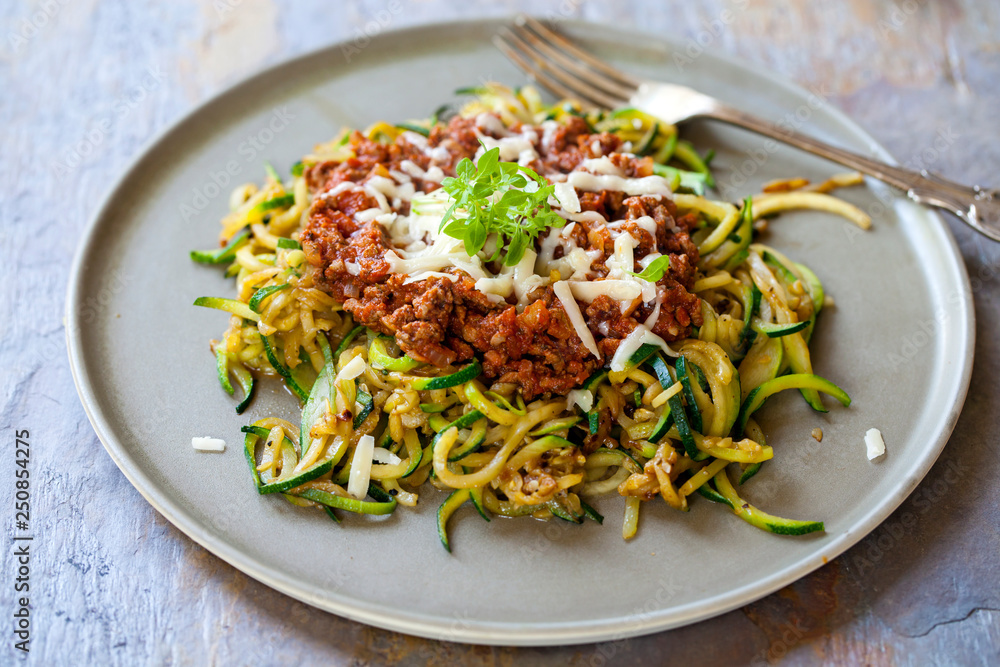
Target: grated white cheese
{"points": [[564, 293], [418, 140], [368, 214], [621, 290], [413, 170], [601, 165], [339, 188], [547, 251], [442, 254], [383, 455], [655, 315], [549, 129], [648, 225], [438, 154], [424, 275], [518, 148], [525, 279], [580, 261], [875, 443], [639, 336], [386, 219], [582, 397], [361, 467], [497, 289], [208, 444], [492, 124], [352, 369], [585, 216], [566, 197], [620, 266], [380, 188], [623, 259], [647, 185], [399, 176]]}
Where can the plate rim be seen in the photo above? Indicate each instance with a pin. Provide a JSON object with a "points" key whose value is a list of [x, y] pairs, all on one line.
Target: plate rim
{"points": [[506, 633]]}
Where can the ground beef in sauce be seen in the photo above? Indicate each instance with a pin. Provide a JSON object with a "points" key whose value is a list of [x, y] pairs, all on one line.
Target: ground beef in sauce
{"points": [[444, 321]]}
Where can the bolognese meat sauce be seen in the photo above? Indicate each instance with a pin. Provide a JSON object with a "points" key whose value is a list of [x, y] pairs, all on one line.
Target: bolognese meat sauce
{"points": [[444, 320]]}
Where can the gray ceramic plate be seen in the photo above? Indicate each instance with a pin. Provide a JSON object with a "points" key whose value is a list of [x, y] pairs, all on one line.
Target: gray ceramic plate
{"points": [[899, 340]]}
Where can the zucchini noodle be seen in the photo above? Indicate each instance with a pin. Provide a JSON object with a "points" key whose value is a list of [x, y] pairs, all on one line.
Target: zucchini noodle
{"points": [[669, 423]]}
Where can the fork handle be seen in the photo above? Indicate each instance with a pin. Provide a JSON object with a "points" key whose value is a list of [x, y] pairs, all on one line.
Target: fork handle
{"points": [[976, 206]]}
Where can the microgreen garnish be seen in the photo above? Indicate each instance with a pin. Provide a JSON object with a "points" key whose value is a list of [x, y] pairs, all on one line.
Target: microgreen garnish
{"points": [[490, 198], [655, 270]]}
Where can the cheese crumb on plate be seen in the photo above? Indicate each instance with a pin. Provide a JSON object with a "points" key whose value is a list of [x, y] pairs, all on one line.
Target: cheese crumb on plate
{"points": [[208, 444], [875, 443]]}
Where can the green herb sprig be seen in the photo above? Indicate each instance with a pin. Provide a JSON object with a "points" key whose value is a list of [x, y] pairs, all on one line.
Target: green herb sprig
{"points": [[489, 197], [656, 269]]}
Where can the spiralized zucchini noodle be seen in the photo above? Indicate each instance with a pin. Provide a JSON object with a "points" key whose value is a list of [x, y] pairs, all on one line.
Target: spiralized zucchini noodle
{"points": [[662, 408]]}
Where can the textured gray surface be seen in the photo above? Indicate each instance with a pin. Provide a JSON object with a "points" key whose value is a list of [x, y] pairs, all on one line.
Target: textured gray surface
{"points": [[87, 83]]}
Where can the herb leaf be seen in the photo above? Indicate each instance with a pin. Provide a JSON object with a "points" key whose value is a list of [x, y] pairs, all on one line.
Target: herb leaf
{"points": [[490, 198], [654, 272]]}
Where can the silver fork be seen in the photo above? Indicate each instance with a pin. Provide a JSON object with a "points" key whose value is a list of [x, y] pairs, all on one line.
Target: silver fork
{"points": [[567, 71]]}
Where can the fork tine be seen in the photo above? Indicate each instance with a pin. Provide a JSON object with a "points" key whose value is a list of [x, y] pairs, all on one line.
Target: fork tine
{"points": [[591, 76], [533, 73], [580, 89], [576, 52]]}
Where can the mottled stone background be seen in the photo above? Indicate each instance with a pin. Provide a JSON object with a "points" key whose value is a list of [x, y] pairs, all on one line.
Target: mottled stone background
{"points": [[85, 84]]}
